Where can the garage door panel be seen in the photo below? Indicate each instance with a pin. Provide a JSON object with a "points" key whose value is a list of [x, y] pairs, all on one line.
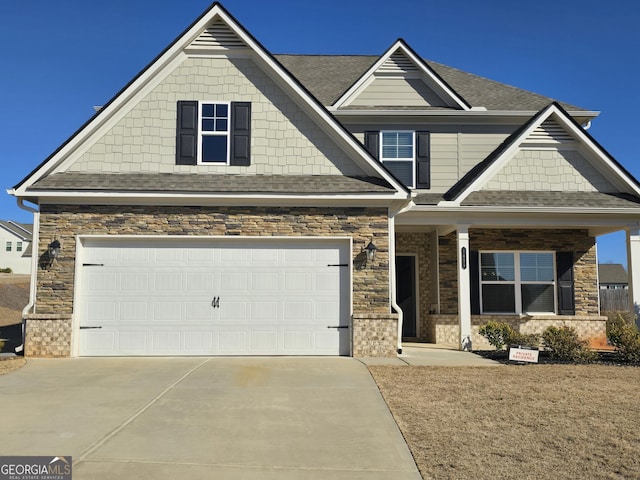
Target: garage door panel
{"points": [[229, 297]]}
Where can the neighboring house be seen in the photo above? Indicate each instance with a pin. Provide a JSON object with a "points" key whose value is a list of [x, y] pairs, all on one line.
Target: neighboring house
{"points": [[612, 276], [229, 201], [15, 246]]}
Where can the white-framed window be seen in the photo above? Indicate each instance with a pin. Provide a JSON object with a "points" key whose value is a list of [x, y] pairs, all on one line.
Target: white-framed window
{"points": [[18, 246], [517, 282], [214, 122], [8, 247], [397, 153]]}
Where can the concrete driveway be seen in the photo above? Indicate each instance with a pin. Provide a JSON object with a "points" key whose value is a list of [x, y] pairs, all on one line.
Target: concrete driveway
{"points": [[203, 418]]}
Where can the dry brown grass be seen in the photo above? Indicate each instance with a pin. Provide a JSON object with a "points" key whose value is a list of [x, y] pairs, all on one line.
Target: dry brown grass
{"points": [[8, 365], [534, 421]]}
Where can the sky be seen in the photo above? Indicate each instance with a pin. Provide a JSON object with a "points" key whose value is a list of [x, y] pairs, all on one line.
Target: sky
{"points": [[59, 59]]}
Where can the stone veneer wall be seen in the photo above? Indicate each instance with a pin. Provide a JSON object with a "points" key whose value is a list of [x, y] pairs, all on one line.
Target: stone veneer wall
{"points": [[578, 241], [419, 243], [55, 285], [446, 329]]}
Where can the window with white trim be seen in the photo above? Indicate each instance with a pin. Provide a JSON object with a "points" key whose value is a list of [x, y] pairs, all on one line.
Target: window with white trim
{"points": [[517, 282], [8, 247], [397, 153], [214, 133], [18, 246]]}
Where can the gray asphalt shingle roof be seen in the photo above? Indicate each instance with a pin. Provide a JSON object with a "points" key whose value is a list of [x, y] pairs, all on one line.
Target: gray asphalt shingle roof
{"points": [[21, 230], [210, 183], [551, 199], [612, 273], [327, 77]]}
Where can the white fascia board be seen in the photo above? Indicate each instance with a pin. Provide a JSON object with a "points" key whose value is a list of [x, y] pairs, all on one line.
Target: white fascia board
{"points": [[114, 198], [425, 69], [451, 113]]}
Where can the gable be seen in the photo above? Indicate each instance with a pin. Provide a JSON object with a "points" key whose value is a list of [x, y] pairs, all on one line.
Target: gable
{"points": [[277, 125], [401, 79], [549, 153], [285, 140]]}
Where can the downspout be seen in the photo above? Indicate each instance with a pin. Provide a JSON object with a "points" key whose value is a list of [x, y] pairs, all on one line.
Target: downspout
{"points": [[34, 265], [392, 268]]}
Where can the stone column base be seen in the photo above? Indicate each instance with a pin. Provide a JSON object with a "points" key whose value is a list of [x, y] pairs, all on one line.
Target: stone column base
{"points": [[47, 335], [375, 335]]}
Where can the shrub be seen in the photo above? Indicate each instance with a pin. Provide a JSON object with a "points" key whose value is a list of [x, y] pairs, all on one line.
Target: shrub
{"points": [[496, 333], [625, 337], [564, 344], [6, 270], [500, 334]]}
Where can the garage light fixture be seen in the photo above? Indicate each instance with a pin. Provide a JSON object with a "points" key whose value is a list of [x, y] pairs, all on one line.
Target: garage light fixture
{"points": [[371, 250], [54, 250]]}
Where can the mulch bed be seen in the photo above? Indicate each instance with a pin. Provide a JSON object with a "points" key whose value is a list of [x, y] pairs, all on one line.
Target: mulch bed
{"points": [[608, 357]]}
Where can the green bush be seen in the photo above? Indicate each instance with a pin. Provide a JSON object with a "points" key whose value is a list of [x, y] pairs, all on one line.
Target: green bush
{"points": [[563, 344], [6, 270], [500, 334], [496, 333], [625, 336]]}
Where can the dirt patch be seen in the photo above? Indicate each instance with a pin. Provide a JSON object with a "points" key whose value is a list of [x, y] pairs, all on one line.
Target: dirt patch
{"points": [[531, 421]]}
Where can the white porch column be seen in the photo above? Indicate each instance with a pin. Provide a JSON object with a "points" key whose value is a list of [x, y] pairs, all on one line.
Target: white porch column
{"points": [[633, 268], [464, 287]]}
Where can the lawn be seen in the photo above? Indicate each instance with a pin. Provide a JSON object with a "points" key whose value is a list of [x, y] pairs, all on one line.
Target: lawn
{"points": [[529, 421]]}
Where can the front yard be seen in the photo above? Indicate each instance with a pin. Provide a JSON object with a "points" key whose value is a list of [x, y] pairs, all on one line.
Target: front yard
{"points": [[531, 421]]}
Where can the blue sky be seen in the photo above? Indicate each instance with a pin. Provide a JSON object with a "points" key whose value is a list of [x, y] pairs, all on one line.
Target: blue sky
{"points": [[61, 58]]}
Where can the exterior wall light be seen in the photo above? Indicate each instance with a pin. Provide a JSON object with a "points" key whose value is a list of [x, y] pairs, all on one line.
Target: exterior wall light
{"points": [[371, 250], [54, 250]]}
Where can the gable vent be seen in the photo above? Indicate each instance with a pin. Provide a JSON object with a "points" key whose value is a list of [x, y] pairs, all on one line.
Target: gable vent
{"points": [[550, 132], [218, 35], [398, 63]]}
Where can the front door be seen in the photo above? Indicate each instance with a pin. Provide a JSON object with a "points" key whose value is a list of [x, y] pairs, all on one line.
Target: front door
{"points": [[406, 293]]}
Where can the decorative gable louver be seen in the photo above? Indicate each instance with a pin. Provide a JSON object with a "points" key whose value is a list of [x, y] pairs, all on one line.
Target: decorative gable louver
{"points": [[398, 63], [217, 36], [550, 133]]}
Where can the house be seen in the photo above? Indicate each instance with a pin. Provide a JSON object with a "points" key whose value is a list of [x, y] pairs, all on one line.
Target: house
{"points": [[612, 276], [229, 201], [15, 246]]}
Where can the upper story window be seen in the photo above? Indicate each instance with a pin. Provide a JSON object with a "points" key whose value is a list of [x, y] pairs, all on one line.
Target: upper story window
{"points": [[8, 246], [405, 153], [214, 131], [18, 246], [517, 282], [397, 154]]}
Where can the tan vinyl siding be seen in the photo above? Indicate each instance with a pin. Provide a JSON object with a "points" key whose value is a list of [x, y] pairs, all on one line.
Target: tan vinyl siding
{"points": [[284, 140], [550, 170], [478, 141], [395, 91], [444, 161]]}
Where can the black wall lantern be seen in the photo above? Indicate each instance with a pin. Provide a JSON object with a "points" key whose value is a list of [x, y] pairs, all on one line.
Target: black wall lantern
{"points": [[371, 250], [54, 250], [464, 258]]}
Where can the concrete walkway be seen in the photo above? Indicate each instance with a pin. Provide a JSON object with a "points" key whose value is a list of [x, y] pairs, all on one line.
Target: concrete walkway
{"points": [[203, 418], [432, 355]]}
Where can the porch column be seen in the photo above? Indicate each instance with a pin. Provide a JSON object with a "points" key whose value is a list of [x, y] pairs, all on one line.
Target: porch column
{"points": [[464, 287], [633, 269]]}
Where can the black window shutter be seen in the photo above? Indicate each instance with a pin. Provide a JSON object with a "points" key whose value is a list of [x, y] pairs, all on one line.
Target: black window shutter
{"points": [[474, 273], [187, 133], [372, 143], [566, 295], [423, 160], [240, 134]]}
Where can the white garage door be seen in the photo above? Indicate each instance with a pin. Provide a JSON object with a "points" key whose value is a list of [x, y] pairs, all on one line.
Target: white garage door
{"points": [[213, 297]]}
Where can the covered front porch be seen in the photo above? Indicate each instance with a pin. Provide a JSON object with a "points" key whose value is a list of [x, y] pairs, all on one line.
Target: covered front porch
{"points": [[530, 271]]}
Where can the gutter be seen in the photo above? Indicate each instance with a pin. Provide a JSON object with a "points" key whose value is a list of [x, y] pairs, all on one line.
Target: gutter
{"points": [[34, 267], [392, 268]]}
